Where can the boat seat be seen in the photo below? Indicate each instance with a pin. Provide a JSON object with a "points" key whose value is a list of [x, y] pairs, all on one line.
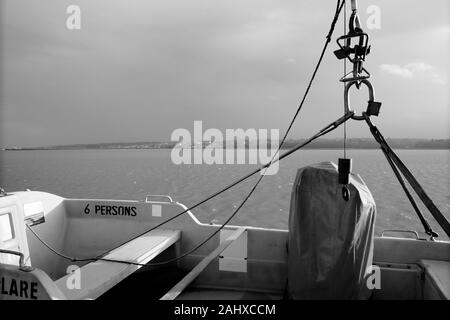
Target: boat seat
{"points": [[437, 279], [173, 293], [99, 276]]}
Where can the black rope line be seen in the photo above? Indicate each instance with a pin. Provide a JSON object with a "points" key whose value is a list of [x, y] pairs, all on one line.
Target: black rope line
{"points": [[425, 224], [394, 159], [339, 6], [321, 133], [345, 72]]}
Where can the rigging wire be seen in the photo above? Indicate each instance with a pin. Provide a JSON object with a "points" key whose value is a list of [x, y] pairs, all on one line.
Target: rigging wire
{"points": [[339, 6], [400, 166], [319, 134], [345, 72], [428, 230]]}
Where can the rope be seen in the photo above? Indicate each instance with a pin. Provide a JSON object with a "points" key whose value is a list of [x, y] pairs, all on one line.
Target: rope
{"points": [[339, 6], [345, 72], [396, 163], [50, 247], [321, 133], [425, 224]]}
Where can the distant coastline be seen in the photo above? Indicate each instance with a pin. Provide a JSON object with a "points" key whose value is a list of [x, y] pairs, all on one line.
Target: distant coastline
{"points": [[354, 143]]}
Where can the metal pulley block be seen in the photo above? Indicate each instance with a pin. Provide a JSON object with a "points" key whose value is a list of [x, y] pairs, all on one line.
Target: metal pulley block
{"points": [[361, 48], [357, 53], [373, 107], [344, 170]]}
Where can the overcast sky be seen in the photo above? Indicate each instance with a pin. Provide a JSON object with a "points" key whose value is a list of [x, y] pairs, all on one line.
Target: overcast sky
{"points": [[137, 70]]}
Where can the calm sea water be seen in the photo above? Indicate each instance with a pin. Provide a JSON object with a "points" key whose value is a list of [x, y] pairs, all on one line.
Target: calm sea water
{"points": [[132, 174]]}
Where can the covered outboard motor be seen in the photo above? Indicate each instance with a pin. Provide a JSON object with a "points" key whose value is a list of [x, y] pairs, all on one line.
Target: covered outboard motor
{"points": [[330, 240]]}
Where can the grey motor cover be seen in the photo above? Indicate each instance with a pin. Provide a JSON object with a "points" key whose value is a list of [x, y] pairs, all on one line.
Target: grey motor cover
{"points": [[330, 240]]}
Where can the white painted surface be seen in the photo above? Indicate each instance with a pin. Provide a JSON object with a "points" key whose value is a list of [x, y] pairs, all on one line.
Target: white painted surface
{"points": [[33, 208], [156, 210], [234, 258], [99, 276], [5, 227]]}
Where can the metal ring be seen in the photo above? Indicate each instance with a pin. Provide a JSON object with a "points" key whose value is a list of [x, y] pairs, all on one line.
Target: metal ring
{"points": [[346, 99]]}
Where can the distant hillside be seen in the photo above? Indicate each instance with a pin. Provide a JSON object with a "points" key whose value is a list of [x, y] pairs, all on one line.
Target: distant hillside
{"points": [[354, 143], [366, 143]]}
